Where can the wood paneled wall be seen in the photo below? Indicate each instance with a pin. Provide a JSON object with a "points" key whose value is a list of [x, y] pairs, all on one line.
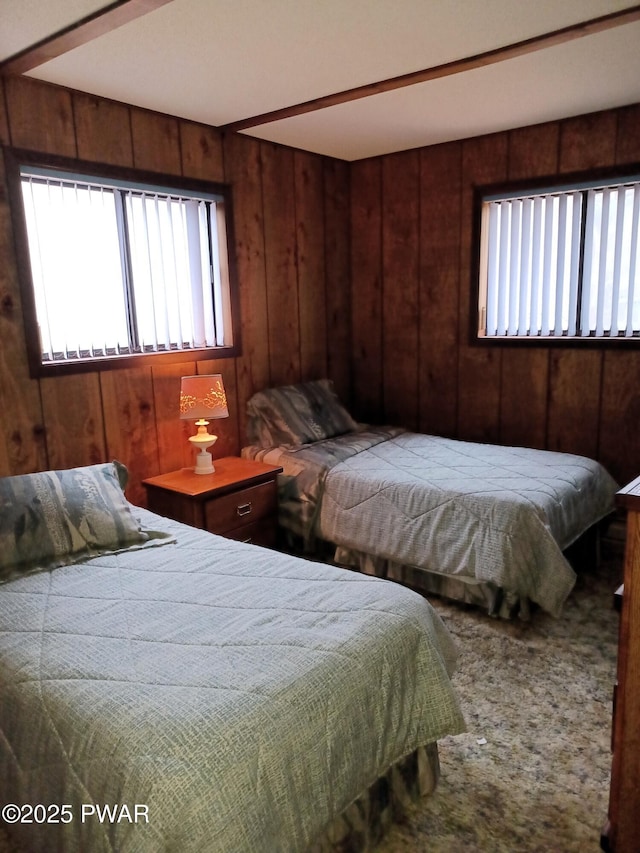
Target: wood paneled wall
{"points": [[292, 228], [412, 360], [360, 272]]}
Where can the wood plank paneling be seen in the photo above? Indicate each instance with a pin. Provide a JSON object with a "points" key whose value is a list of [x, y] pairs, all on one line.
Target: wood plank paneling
{"points": [[618, 414], [174, 450], [338, 307], [588, 142], [619, 447], [225, 428], [131, 414], [243, 169], [72, 409], [297, 221], [400, 271], [574, 401], [156, 142], [484, 161], [440, 200], [72, 406], [202, 155], [575, 391], [130, 425], [533, 152], [309, 190], [564, 398], [524, 397], [628, 135], [103, 130], [366, 289], [22, 445], [40, 117], [278, 184]]}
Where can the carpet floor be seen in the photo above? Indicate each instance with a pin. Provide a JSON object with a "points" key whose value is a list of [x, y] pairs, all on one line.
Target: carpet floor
{"points": [[532, 772]]}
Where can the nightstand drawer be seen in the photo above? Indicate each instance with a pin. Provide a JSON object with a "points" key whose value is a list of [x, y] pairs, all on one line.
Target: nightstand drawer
{"points": [[240, 508], [259, 533]]}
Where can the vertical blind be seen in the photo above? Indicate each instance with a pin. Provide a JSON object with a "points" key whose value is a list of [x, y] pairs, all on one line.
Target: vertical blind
{"points": [[562, 264], [118, 271]]}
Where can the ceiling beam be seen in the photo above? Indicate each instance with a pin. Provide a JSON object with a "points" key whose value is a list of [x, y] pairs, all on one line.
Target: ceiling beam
{"points": [[97, 24], [480, 60]]}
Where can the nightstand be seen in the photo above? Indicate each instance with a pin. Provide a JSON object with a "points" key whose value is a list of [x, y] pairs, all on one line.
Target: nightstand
{"points": [[239, 500]]}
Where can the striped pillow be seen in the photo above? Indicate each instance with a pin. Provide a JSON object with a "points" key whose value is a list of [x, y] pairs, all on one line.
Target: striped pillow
{"points": [[297, 414], [55, 518]]}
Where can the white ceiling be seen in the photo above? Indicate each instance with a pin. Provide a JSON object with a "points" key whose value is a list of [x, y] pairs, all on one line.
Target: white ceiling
{"points": [[221, 61]]}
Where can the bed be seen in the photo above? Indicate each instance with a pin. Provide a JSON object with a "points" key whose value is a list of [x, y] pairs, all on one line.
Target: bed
{"points": [[479, 523], [164, 688]]}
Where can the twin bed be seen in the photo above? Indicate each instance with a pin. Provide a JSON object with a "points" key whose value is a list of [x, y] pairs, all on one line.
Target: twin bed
{"points": [[167, 689], [213, 694], [479, 523]]}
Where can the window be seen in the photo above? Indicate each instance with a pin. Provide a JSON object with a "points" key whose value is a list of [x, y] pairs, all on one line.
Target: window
{"points": [[116, 268], [561, 262]]}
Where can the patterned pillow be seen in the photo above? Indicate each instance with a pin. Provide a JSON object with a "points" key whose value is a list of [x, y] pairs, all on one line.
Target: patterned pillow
{"points": [[297, 414], [54, 518]]}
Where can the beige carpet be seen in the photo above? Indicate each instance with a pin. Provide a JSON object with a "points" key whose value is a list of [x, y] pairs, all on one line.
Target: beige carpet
{"points": [[532, 773]]}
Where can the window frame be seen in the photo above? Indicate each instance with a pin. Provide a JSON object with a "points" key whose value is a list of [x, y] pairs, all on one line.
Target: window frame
{"points": [[558, 181], [14, 159]]}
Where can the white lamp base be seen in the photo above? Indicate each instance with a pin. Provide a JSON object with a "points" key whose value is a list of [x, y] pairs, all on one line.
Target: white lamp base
{"points": [[202, 440], [204, 463]]}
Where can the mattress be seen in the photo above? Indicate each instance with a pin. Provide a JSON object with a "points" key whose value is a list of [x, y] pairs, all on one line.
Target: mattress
{"points": [[479, 513], [230, 697]]}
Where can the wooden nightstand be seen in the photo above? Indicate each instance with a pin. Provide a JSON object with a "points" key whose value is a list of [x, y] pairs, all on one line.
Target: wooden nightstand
{"points": [[239, 500]]}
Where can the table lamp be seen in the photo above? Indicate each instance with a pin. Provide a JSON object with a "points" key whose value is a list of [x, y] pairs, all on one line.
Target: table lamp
{"points": [[202, 399]]}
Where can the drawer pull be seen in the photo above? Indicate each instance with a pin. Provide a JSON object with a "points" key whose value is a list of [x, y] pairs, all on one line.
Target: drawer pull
{"points": [[244, 509]]}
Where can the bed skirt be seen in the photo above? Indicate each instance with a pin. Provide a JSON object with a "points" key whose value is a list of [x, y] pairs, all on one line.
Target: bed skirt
{"points": [[362, 826], [486, 595], [584, 553]]}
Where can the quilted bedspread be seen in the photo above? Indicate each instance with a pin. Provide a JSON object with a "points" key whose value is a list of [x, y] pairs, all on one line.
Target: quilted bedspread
{"points": [[483, 512], [240, 697]]}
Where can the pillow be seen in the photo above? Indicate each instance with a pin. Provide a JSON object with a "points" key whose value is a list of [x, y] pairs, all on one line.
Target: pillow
{"points": [[297, 414], [55, 518]]}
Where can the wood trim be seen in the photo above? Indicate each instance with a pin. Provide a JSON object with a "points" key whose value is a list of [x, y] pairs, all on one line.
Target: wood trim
{"points": [[629, 496], [624, 801], [85, 30], [480, 60]]}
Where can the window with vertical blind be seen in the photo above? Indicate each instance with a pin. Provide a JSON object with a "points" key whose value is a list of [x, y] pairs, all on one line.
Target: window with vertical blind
{"points": [[561, 262], [121, 267]]}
